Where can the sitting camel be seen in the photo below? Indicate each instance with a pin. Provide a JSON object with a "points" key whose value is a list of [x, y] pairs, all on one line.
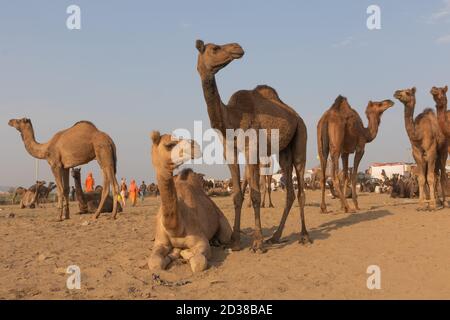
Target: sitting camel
{"points": [[30, 198], [187, 219], [88, 202]]}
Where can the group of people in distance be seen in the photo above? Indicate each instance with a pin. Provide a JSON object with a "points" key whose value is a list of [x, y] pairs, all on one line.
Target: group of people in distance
{"points": [[132, 192]]}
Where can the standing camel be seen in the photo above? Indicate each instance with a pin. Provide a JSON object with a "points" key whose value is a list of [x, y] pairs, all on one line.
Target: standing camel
{"points": [[429, 147], [443, 115], [69, 148], [265, 184], [256, 109], [340, 132]]}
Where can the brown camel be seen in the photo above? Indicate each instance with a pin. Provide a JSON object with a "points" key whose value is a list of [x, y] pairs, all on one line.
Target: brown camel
{"points": [[265, 186], [30, 198], [443, 115], [257, 109], [19, 192], [88, 202], [429, 147], [340, 132], [69, 148], [187, 219]]}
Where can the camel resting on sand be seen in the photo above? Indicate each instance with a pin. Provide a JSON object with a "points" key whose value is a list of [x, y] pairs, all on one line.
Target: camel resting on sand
{"points": [[31, 197], [188, 219], [88, 202]]}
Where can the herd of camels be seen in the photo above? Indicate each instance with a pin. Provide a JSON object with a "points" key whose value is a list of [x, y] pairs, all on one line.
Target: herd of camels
{"points": [[188, 221]]}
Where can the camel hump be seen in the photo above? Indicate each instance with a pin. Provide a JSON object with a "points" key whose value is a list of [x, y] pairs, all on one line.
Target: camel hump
{"points": [[339, 102], [184, 174], [268, 92], [84, 122], [428, 112]]}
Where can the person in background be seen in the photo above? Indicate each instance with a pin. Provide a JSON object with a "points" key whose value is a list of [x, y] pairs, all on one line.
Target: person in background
{"points": [[133, 191], [90, 182], [123, 191], [142, 190], [72, 194]]}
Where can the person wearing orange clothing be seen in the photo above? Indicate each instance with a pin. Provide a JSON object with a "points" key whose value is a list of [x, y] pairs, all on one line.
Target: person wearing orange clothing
{"points": [[90, 182], [133, 192]]}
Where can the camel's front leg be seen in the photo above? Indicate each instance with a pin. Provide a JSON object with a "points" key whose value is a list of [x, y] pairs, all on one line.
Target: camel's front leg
{"points": [[198, 255], [159, 260], [238, 199]]}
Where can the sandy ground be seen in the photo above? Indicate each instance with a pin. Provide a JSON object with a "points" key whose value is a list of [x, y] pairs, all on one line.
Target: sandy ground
{"points": [[411, 248]]}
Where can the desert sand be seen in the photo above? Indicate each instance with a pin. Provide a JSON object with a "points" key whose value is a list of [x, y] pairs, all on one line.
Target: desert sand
{"points": [[411, 248]]}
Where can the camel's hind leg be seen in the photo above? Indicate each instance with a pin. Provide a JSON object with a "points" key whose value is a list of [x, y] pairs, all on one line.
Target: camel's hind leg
{"points": [[269, 190], [343, 186], [66, 191], [442, 161], [58, 174], [286, 166], [323, 150], [431, 178]]}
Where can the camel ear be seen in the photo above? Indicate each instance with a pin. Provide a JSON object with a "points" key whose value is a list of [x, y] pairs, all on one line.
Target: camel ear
{"points": [[156, 137], [200, 45], [413, 89], [445, 89]]}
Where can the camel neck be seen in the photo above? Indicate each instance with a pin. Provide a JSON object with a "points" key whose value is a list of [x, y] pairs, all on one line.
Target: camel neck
{"points": [[373, 125], [169, 203], [409, 120], [37, 150], [79, 193], [441, 109], [213, 102]]}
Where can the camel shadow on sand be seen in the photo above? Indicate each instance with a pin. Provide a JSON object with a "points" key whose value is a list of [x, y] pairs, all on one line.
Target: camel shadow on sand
{"points": [[323, 231]]}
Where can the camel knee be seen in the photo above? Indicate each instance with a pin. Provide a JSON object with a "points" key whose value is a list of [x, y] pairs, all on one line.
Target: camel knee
{"points": [[238, 199], [255, 196], [158, 262], [198, 263]]}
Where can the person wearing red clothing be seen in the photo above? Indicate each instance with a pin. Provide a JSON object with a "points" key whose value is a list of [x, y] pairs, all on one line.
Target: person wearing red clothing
{"points": [[133, 192], [90, 182]]}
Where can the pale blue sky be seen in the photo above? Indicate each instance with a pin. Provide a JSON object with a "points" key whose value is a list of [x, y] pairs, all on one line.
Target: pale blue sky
{"points": [[131, 68]]}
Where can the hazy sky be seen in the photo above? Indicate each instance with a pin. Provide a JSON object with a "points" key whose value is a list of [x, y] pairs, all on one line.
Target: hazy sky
{"points": [[132, 68]]}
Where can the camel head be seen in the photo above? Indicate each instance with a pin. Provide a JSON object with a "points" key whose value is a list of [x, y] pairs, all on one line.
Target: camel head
{"points": [[440, 95], [378, 107], [20, 124], [406, 95], [168, 152], [213, 57], [76, 174]]}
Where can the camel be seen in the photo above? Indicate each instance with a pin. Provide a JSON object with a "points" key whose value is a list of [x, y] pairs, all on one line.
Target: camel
{"points": [[187, 219], [88, 202], [340, 132], [44, 191], [70, 148], [429, 147], [30, 198], [265, 185], [19, 192], [443, 115], [260, 108]]}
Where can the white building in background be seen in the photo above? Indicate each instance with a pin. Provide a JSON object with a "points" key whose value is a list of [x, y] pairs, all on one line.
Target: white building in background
{"points": [[389, 168]]}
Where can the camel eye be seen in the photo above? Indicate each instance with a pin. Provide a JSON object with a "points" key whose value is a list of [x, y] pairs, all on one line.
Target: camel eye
{"points": [[170, 145]]}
